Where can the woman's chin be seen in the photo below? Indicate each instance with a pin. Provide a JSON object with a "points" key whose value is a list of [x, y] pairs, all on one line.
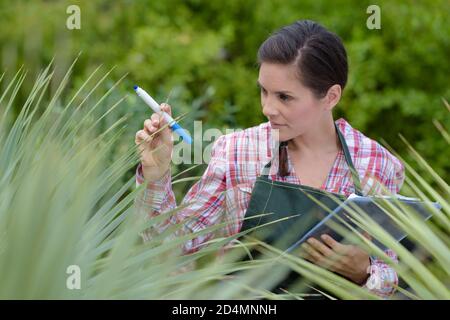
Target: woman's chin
{"points": [[282, 132], [281, 135]]}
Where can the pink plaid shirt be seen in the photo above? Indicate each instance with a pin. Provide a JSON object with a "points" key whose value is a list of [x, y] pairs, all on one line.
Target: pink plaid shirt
{"points": [[224, 190]]}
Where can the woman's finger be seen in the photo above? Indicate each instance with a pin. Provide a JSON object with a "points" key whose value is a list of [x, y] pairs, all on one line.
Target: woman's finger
{"points": [[333, 244], [166, 108], [141, 136], [319, 246], [312, 254], [148, 126], [155, 119], [161, 120], [323, 256]]}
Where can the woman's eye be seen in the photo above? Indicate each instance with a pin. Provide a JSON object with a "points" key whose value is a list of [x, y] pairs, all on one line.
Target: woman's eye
{"points": [[284, 97]]}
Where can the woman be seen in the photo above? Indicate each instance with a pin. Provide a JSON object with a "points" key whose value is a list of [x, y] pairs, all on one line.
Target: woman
{"points": [[303, 71]]}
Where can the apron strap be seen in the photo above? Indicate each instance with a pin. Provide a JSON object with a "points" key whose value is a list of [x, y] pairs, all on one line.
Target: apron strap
{"points": [[348, 159]]}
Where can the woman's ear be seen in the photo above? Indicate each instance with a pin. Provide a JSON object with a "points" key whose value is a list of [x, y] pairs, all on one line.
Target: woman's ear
{"points": [[333, 96]]}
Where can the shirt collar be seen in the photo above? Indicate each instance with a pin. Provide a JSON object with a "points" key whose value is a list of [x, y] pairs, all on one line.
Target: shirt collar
{"points": [[273, 145]]}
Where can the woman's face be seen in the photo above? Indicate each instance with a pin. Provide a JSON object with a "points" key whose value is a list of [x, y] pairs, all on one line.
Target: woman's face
{"points": [[290, 107]]}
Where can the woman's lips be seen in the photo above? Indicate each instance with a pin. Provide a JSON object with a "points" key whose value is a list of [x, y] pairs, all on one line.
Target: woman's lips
{"points": [[276, 125]]}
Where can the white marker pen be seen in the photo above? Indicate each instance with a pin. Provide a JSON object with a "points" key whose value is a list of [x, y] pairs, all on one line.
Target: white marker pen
{"points": [[155, 107]]}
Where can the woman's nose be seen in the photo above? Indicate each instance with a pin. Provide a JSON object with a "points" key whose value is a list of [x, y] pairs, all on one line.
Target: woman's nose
{"points": [[269, 109]]}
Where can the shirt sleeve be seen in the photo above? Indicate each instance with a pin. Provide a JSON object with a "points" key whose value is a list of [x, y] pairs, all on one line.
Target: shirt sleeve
{"points": [[395, 176], [203, 205], [386, 279]]}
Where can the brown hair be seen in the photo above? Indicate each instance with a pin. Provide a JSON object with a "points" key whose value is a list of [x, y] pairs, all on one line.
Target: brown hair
{"points": [[319, 54]]}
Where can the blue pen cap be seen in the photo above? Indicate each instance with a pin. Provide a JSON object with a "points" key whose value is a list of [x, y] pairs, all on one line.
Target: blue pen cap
{"points": [[182, 133]]}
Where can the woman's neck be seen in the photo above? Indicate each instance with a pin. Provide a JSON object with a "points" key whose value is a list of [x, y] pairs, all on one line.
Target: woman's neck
{"points": [[321, 140]]}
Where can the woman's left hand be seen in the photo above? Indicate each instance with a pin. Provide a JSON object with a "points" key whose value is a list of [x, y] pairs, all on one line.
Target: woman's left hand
{"points": [[348, 260]]}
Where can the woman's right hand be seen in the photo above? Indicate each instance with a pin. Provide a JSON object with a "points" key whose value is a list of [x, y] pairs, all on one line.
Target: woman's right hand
{"points": [[155, 149]]}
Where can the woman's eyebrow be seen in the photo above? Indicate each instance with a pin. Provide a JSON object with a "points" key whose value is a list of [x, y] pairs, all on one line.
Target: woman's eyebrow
{"points": [[277, 92]]}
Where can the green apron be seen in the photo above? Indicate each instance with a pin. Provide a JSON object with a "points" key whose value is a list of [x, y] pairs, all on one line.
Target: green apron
{"points": [[295, 202]]}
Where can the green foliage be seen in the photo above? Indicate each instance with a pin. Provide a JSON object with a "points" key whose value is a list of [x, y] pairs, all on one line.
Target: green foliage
{"points": [[63, 204], [66, 155], [398, 75]]}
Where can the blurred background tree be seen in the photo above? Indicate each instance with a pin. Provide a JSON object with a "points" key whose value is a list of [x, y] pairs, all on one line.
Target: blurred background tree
{"points": [[201, 56]]}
